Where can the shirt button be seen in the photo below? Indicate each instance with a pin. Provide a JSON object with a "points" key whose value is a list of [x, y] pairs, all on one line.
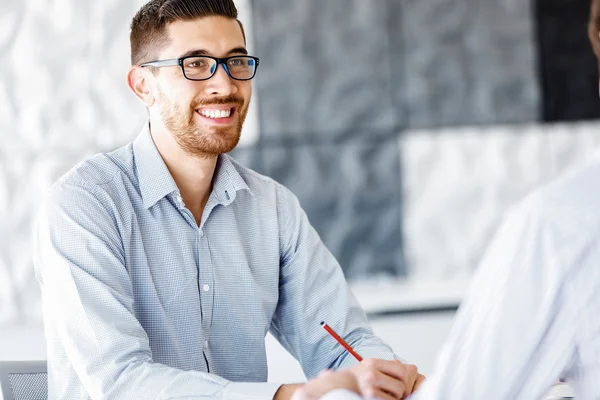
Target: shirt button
{"points": [[206, 344], [206, 288]]}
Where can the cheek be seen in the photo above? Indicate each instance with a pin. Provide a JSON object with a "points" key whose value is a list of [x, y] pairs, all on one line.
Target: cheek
{"points": [[179, 95], [245, 91]]}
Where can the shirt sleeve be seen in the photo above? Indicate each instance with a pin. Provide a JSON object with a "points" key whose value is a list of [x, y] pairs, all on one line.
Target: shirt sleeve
{"points": [[313, 289], [514, 333], [88, 301]]}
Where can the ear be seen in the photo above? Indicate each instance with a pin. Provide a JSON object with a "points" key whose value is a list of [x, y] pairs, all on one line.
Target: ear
{"points": [[140, 81]]}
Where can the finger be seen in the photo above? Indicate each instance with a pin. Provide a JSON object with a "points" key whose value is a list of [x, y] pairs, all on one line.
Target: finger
{"points": [[391, 368], [374, 381], [411, 376], [418, 382]]}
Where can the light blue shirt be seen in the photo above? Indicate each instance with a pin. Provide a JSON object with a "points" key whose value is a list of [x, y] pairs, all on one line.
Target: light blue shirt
{"points": [[142, 303]]}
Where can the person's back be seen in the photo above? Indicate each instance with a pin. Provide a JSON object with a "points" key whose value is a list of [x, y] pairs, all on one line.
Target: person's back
{"points": [[531, 314]]}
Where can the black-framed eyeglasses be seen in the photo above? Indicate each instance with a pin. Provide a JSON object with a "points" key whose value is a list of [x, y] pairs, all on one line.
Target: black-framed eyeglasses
{"points": [[201, 68]]}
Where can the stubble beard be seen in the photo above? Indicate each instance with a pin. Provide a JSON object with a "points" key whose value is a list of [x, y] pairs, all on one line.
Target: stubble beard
{"points": [[196, 142]]}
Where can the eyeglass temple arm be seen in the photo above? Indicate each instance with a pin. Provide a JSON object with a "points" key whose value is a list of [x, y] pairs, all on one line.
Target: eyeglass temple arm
{"points": [[163, 63]]}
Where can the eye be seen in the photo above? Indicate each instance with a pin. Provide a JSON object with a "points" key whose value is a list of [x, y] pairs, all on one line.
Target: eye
{"points": [[195, 64], [236, 62]]}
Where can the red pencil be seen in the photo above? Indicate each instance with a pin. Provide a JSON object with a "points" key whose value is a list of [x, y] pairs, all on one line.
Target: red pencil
{"points": [[341, 341]]}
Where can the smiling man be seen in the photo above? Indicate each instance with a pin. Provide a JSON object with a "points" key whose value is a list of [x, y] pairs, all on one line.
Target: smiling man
{"points": [[164, 264]]}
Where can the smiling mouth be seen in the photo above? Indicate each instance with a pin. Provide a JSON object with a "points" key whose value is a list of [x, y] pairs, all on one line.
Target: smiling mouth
{"points": [[216, 114]]}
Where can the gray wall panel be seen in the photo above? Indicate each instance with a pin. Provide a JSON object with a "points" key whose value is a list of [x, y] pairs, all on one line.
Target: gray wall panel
{"points": [[468, 61], [325, 67], [351, 193]]}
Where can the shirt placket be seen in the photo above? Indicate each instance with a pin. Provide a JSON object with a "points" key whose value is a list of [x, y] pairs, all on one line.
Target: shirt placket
{"points": [[206, 287], [205, 279]]}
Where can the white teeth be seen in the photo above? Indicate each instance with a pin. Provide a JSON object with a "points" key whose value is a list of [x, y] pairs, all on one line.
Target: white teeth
{"points": [[216, 113]]}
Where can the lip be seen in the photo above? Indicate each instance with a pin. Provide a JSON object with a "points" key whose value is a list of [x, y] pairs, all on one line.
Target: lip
{"points": [[218, 121]]}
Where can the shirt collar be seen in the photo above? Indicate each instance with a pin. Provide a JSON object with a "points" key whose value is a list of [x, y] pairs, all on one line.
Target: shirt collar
{"points": [[227, 181], [156, 181], [154, 177]]}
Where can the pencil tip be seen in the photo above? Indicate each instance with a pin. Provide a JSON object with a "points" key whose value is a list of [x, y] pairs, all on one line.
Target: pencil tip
{"points": [[322, 323]]}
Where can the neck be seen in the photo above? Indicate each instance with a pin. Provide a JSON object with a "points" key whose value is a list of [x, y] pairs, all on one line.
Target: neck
{"points": [[192, 174]]}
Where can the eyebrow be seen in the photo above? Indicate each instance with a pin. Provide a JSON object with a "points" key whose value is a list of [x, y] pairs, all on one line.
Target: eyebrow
{"points": [[202, 52]]}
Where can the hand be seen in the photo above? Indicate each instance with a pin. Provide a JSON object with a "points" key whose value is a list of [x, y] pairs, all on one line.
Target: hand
{"points": [[386, 380], [326, 382]]}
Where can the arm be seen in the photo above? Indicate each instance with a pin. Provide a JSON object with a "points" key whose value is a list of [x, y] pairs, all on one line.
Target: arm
{"points": [[340, 385], [313, 289], [89, 310]]}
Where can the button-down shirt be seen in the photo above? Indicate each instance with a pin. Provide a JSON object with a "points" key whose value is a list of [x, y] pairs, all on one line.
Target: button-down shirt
{"points": [[532, 314], [141, 302]]}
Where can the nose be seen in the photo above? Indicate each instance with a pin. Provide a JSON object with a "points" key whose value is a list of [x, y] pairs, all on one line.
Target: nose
{"points": [[220, 83]]}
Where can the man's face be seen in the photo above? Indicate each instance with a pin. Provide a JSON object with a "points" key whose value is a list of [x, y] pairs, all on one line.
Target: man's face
{"points": [[204, 117]]}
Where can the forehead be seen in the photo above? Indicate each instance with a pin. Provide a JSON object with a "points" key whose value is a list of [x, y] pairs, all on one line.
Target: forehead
{"points": [[216, 35]]}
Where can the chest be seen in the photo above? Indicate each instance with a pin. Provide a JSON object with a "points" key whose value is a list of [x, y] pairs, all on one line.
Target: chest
{"points": [[229, 267]]}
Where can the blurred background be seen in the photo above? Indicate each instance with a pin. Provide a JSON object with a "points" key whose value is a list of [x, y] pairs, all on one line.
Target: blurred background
{"points": [[405, 127]]}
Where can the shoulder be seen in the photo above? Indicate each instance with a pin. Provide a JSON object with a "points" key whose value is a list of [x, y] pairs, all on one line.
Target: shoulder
{"points": [[262, 185], [97, 179], [570, 203], [100, 169]]}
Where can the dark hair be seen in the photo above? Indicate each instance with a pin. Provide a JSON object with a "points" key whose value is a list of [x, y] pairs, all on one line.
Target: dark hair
{"points": [[148, 28]]}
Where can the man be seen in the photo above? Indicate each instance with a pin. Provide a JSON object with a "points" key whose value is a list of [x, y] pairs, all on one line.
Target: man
{"points": [[163, 264], [532, 314]]}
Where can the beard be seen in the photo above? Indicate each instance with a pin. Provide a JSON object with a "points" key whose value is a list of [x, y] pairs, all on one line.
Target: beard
{"points": [[200, 142]]}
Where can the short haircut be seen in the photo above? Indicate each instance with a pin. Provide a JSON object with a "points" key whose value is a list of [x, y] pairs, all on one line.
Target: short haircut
{"points": [[149, 26]]}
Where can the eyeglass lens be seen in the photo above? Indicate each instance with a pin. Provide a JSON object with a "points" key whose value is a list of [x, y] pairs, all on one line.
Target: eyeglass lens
{"points": [[204, 67]]}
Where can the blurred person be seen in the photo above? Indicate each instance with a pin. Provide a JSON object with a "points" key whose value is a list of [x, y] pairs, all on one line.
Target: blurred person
{"points": [[164, 264], [532, 313]]}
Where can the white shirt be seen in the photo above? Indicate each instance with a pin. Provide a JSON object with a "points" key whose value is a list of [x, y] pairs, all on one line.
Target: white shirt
{"points": [[532, 313]]}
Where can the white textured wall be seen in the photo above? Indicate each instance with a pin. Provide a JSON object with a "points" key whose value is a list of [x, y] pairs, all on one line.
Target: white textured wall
{"points": [[458, 182]]}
